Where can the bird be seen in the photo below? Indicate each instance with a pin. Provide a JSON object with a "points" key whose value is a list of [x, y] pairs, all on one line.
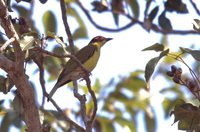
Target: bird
{"points": [[88, 56]]}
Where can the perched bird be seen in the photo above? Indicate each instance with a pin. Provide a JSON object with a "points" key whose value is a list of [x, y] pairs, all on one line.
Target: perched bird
{"points": [[88, 56]]}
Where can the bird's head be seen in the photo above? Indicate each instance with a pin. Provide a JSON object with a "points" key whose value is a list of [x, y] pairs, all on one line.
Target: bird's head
{"points": [[99, 41]]}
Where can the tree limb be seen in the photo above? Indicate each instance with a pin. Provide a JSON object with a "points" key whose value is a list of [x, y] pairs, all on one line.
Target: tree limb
{"points": [[133, 21], [17, 74], [81, 98]]}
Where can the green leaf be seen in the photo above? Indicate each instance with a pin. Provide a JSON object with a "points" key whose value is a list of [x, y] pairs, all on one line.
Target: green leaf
{"points": [[195, 53], [117, 8], [164, 22], [49, 21], [21, 10], [134, 7], [155, 47], [128, 124], [81, 31], [196, 25], [52, 65], [59, 41], [97, 86], [5, 123], [187, 116], [164, 53], [153, 13], [167, 106], [28, 40], [149, 69], [197, 21], [9, 119], [119, 96], [57, 38], [106, 124], [150, 66], [116, 19], [177, 6], [133, 83]]}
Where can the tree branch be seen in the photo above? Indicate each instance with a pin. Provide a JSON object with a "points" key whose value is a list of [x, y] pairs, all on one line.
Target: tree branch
{"points": [[6, 64], [195, 7], [67, 29], [131, 23], [39, 63], [81, 98], [100, 27], [67, 119], [94, 99], [17, 74], [61, 56], [5, 45]]}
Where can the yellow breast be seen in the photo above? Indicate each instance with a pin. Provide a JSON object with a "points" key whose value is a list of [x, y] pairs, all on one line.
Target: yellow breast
{"points": [[91, 63]]}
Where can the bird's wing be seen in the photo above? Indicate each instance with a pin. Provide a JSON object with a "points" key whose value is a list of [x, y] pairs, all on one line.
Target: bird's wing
{"points": [[82, 55]]}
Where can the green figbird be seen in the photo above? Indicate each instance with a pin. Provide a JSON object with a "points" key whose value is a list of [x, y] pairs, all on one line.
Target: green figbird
{"points": [[88, 56]]}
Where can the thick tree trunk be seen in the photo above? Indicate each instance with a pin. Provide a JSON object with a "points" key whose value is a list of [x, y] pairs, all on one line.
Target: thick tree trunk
{"points": [[31, 115], [15, 71]]}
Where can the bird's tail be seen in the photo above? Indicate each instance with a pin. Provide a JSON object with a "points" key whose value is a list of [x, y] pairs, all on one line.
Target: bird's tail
{"points": [[52, 92]]}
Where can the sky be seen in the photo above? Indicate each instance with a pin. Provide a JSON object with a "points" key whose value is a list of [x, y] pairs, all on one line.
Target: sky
{"points": [[123, 54]]}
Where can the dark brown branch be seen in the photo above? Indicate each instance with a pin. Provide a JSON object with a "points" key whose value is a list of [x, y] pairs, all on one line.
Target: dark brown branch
{"points": [[6, 44], [131, 23], [195, 7], [6, 64], [61, 56], [81, 98], [100, 27], [11, 33], [39, 63], [67, 29], [67, 119], [91, 121], [17, 74]]}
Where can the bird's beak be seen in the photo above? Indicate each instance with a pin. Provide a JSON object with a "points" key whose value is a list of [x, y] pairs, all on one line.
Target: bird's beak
{"points": [[108, 39]]}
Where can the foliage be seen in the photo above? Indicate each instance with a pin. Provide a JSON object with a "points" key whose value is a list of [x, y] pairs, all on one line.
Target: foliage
{"points": [[185, 113]]}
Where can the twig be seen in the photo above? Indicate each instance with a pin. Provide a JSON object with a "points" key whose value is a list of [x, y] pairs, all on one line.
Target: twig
{"points": [[80, 97], [39, 62], [67, 29], [67, 119], [195, 7], [82, 100], [100, 27], [5, 45], [91, 121], [45, 94], [61, 56], [131, 23]]}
